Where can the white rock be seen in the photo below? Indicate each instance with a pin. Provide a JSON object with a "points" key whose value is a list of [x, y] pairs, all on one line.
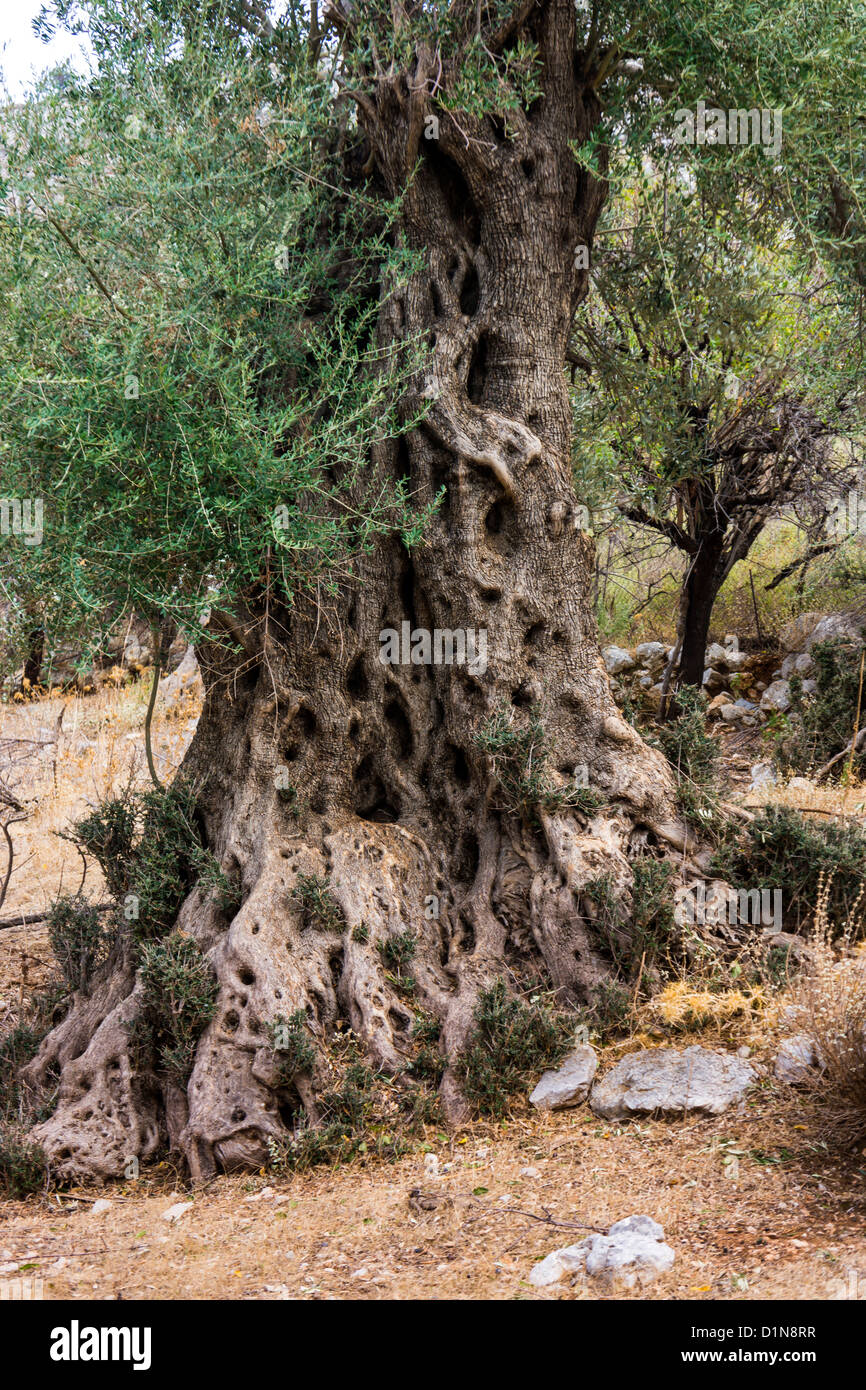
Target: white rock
{"points": [[713, 680], [838, 627], [800, 664], [736, 661], [176, 1212], [651, 654], [569, 1083], [795, 1059], [632, 1252], [716, 655], [617, 659], [100, 1207], [431, 1165], [182, 683], [763, 775], [740, 712], [800, 784], [669, 1081], [555, 1266], [530, 1173], [777, 696]]}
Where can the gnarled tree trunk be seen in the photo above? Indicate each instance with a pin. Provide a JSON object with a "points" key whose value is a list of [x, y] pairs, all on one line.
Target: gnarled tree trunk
{"points": [[400, 808]]}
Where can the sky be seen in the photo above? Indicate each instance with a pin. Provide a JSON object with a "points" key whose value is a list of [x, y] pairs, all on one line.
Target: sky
{"points": [[22, 54]]}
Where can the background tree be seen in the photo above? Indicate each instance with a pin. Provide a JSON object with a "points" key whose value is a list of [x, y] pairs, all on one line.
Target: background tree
{"points": [[725, 379], [432, 799]]}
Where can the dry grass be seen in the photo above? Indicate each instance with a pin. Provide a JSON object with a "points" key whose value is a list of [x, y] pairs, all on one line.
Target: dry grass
{"points": [[829, 1004], [682, 1004], [99, 749], [824, 800], [785, 1221]]}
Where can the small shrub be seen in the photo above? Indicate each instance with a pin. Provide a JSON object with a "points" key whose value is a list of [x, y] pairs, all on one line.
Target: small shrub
{"points": [[653, 927], [510, 1043], [179, 999], [693, 754], [330, 1143], [108, 834], [148, 845], [78, 940], [293, 1050], [17, 1047], [22, 1164], [519, 758], [611, 1008], [829, 997], [820, 726], [646, 931], [361, 933], [397, 952], [358, 1119], [428, 1064], [320, 907], [783, 849]]}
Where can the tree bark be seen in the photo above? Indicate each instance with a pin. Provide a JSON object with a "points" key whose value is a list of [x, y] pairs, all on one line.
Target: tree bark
{"points": [[702, 585], [400, 807]]}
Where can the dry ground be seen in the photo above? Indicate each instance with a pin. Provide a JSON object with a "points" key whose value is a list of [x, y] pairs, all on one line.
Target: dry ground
{"points": [[791, 1224], [787, 1219]]}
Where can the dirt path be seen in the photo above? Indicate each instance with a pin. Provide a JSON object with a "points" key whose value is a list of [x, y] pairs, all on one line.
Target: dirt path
{"points": [[791, 1225]]}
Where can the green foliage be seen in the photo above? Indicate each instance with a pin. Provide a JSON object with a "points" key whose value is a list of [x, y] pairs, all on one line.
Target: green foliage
{"points": [[611, 1008], [291, 799], [428, 1064], [23, 1168], [397, 952], [519, 762], [78, 940], [361, 933], [293, 1050], [190, 374], [653, 928], [783, 849], [321, 908], [179, 1000], [693, 755], [821, 725], [642, 934], [22, 1164], [18, 1045], [356, 1121], [148, 847], [509, 1043]]}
